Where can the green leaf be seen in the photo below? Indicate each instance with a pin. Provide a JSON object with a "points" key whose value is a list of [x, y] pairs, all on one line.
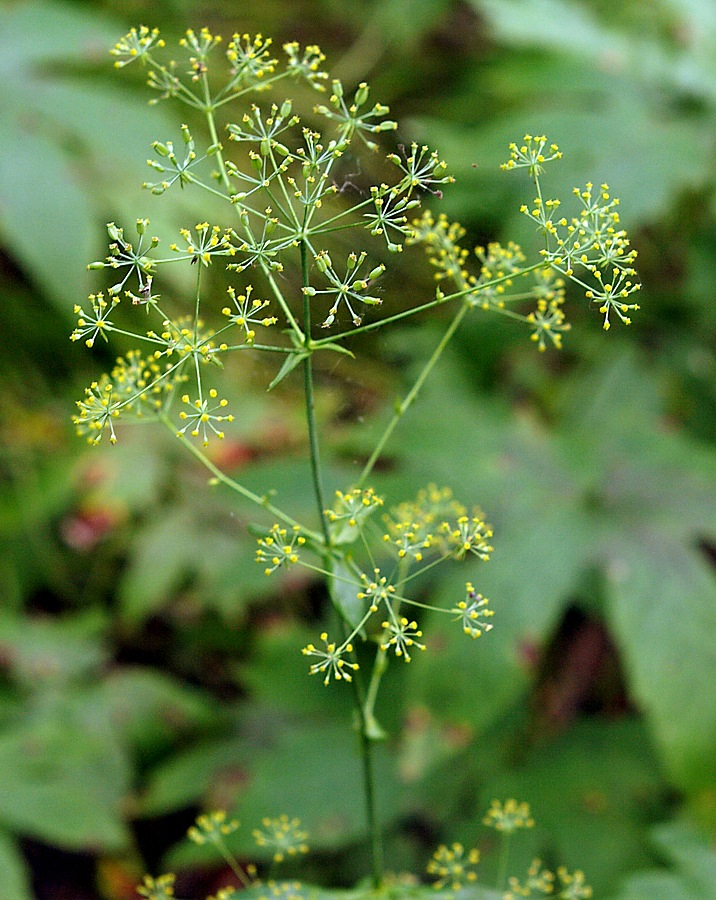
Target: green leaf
{"points": [[276, 674], [51, 652], [188, 776], [693, 854], [589, 790], [44, 217], [344, 589], [65, 778], [151, 709], [294, 774], [160, 562], [289, 364], [15, 883], [662, 606], [695, 862]]}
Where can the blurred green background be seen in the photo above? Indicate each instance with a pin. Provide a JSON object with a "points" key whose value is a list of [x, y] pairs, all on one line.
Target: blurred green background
{"points": [[148, 670]]}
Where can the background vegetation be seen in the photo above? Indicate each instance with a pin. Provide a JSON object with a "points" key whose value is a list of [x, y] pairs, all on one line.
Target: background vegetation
{"points": [[148, 670]]}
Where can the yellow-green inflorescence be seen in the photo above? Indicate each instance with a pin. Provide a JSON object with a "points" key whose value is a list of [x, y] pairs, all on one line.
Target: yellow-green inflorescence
{"points": [[416, 535], [453, 867]]}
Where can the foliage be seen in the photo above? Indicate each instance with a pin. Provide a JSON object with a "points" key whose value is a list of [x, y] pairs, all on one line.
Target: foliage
{"points": [[595, 481]]}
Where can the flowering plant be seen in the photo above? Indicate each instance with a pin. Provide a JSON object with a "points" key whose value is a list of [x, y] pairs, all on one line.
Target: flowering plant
{"points": [[283, 209]]}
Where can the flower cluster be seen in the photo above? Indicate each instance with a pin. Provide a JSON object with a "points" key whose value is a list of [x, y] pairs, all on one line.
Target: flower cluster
{"points": [[473, 613], [541, 882], [453, 866], [246, 314], [532, 155], [204, 416], [434, 526], [346, 288], [212, 828], [349, 513], [349, 118], [279, 547], [284, 836], [508, 816], [332, 660], [161, 888]]}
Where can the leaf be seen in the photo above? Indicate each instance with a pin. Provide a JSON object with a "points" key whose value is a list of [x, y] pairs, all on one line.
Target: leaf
{"points": [[53, 651], [693, 854], [160, 562], [150, 709], [407, 891], [662, 607], [293, 774], [276, 673], [15, 884], [188, 776], [695, 862], [39, 185], [65, 778], [587, 790], [289, 364], [344, 589]]}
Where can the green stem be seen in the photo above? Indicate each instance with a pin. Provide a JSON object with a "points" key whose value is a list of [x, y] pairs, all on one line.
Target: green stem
{"points": [[309, 395], [504, 857], [366, 746], [240, 488], [402, 408]]}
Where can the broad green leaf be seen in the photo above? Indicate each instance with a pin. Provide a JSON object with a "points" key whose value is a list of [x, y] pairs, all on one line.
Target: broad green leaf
{"points": [[15, 883], [161, 561], [407, 891], [695, 862], [344, 593], [190, 777], [150, 709], [294, 774], [662, 607], [40, 190], [692, 852], [656, 885], [587, 790], [48, 652], [65, 778], [38, 32], [276, 674], [648, 49]]}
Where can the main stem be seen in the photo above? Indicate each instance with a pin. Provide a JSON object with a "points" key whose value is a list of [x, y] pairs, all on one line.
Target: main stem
{"points": [[315, 453], [366, 743]]}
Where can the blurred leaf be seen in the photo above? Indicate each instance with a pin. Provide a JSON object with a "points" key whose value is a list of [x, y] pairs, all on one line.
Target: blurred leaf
{"points": [[590, 790], [693, 854], [15, 884], [672, 43], [41, 183], [612, 489], [663, 610], [65, 777], [149, 708], [52, 651], [695, 862], [161, 561], [60, 166], [407, 891], [343, 586], [294, 774], [276, 674], [188, 776]]}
